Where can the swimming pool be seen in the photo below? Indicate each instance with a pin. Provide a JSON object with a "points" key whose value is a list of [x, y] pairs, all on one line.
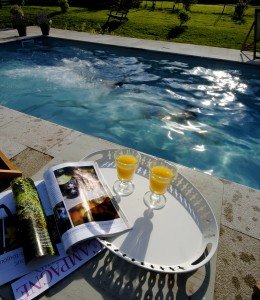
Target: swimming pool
{"points": [[200, 113]]}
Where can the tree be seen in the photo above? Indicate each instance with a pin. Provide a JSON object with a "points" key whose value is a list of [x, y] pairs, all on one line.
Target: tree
{"points": [[187, 4], [240, 9]]}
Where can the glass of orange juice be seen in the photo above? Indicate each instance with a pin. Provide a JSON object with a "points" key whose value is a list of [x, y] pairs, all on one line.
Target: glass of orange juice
{"points": [[162, 175], [127, 161]]}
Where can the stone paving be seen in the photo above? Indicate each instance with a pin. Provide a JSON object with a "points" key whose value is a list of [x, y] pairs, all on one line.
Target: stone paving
{"points": [[150, 45], [33, 144]]}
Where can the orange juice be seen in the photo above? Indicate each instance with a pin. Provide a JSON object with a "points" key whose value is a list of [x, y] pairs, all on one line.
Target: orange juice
{"points": [[126, 165], [160, 178]]}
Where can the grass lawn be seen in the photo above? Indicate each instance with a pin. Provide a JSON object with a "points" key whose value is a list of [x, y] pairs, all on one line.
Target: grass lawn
{"points": [[206, 26]]}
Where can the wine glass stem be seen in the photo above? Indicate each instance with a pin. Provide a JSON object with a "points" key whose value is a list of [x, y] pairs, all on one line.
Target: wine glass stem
{"points": [[123, 185], [155, 197]]}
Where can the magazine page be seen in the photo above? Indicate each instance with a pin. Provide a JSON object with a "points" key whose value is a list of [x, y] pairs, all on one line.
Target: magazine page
{"points": [[41, 279], [83, 205], [31, 228], [12, 261]]}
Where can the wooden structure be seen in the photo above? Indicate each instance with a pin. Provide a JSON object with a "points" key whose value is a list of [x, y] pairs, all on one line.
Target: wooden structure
{"points": [[120, 10], [7, 169], [257, 32], [256, 27]]}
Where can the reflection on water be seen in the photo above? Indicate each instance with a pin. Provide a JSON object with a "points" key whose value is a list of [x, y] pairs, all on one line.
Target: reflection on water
{"points": [[200, 113]]}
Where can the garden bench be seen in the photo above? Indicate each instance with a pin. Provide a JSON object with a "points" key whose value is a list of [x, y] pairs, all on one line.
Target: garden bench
{"points": [[120, 10]]}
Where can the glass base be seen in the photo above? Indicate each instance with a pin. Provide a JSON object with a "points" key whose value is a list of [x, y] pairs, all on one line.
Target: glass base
{"points": [[123, 188], [154, 201]]}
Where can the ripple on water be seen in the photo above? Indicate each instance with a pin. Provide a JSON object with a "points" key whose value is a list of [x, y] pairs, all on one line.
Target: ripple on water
{"points": [[180, 109]]}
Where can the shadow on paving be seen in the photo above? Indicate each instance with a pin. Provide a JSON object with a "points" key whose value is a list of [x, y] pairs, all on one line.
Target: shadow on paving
{"points": [[114, 278]]}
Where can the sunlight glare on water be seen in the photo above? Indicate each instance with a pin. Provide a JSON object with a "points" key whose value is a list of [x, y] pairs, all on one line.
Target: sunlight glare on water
{"points": [[201, 113]]}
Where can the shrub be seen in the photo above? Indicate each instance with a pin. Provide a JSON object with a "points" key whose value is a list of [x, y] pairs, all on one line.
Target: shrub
{"points": [[183, 16], [187, 4], [136, 3], [43, 19], [240, 9], [17, 17], [16, 10], [153, 5], [64, 5]]}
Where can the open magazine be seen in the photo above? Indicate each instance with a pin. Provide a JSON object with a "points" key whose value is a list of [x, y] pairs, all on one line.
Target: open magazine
{"points": [[77, 206], [83, 205], [12, 260]]}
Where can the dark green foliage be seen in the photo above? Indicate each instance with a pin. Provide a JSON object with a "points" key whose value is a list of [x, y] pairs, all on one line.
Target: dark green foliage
{"points": [[145, 24], [136, 3], [64, 5], [187, 4], [16, 10], [240, 9], [184, 17], [43, 19], [18, 19], [153, 5]]}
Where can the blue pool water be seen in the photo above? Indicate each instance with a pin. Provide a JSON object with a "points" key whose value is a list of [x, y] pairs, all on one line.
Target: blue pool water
{"points": [[201, 113]]}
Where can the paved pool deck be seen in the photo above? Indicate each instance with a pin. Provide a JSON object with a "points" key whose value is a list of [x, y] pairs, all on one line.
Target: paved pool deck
{"points": [[161, 46], [33, 145]]}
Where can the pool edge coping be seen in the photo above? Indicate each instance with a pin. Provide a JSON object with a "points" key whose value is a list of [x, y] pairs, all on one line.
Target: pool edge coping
{"points": [[217, 53]]}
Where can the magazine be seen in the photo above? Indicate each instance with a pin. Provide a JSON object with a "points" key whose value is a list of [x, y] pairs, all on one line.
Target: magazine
{"points": [[75, 205], [35, 283], [83, 205], [12, 260]]}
